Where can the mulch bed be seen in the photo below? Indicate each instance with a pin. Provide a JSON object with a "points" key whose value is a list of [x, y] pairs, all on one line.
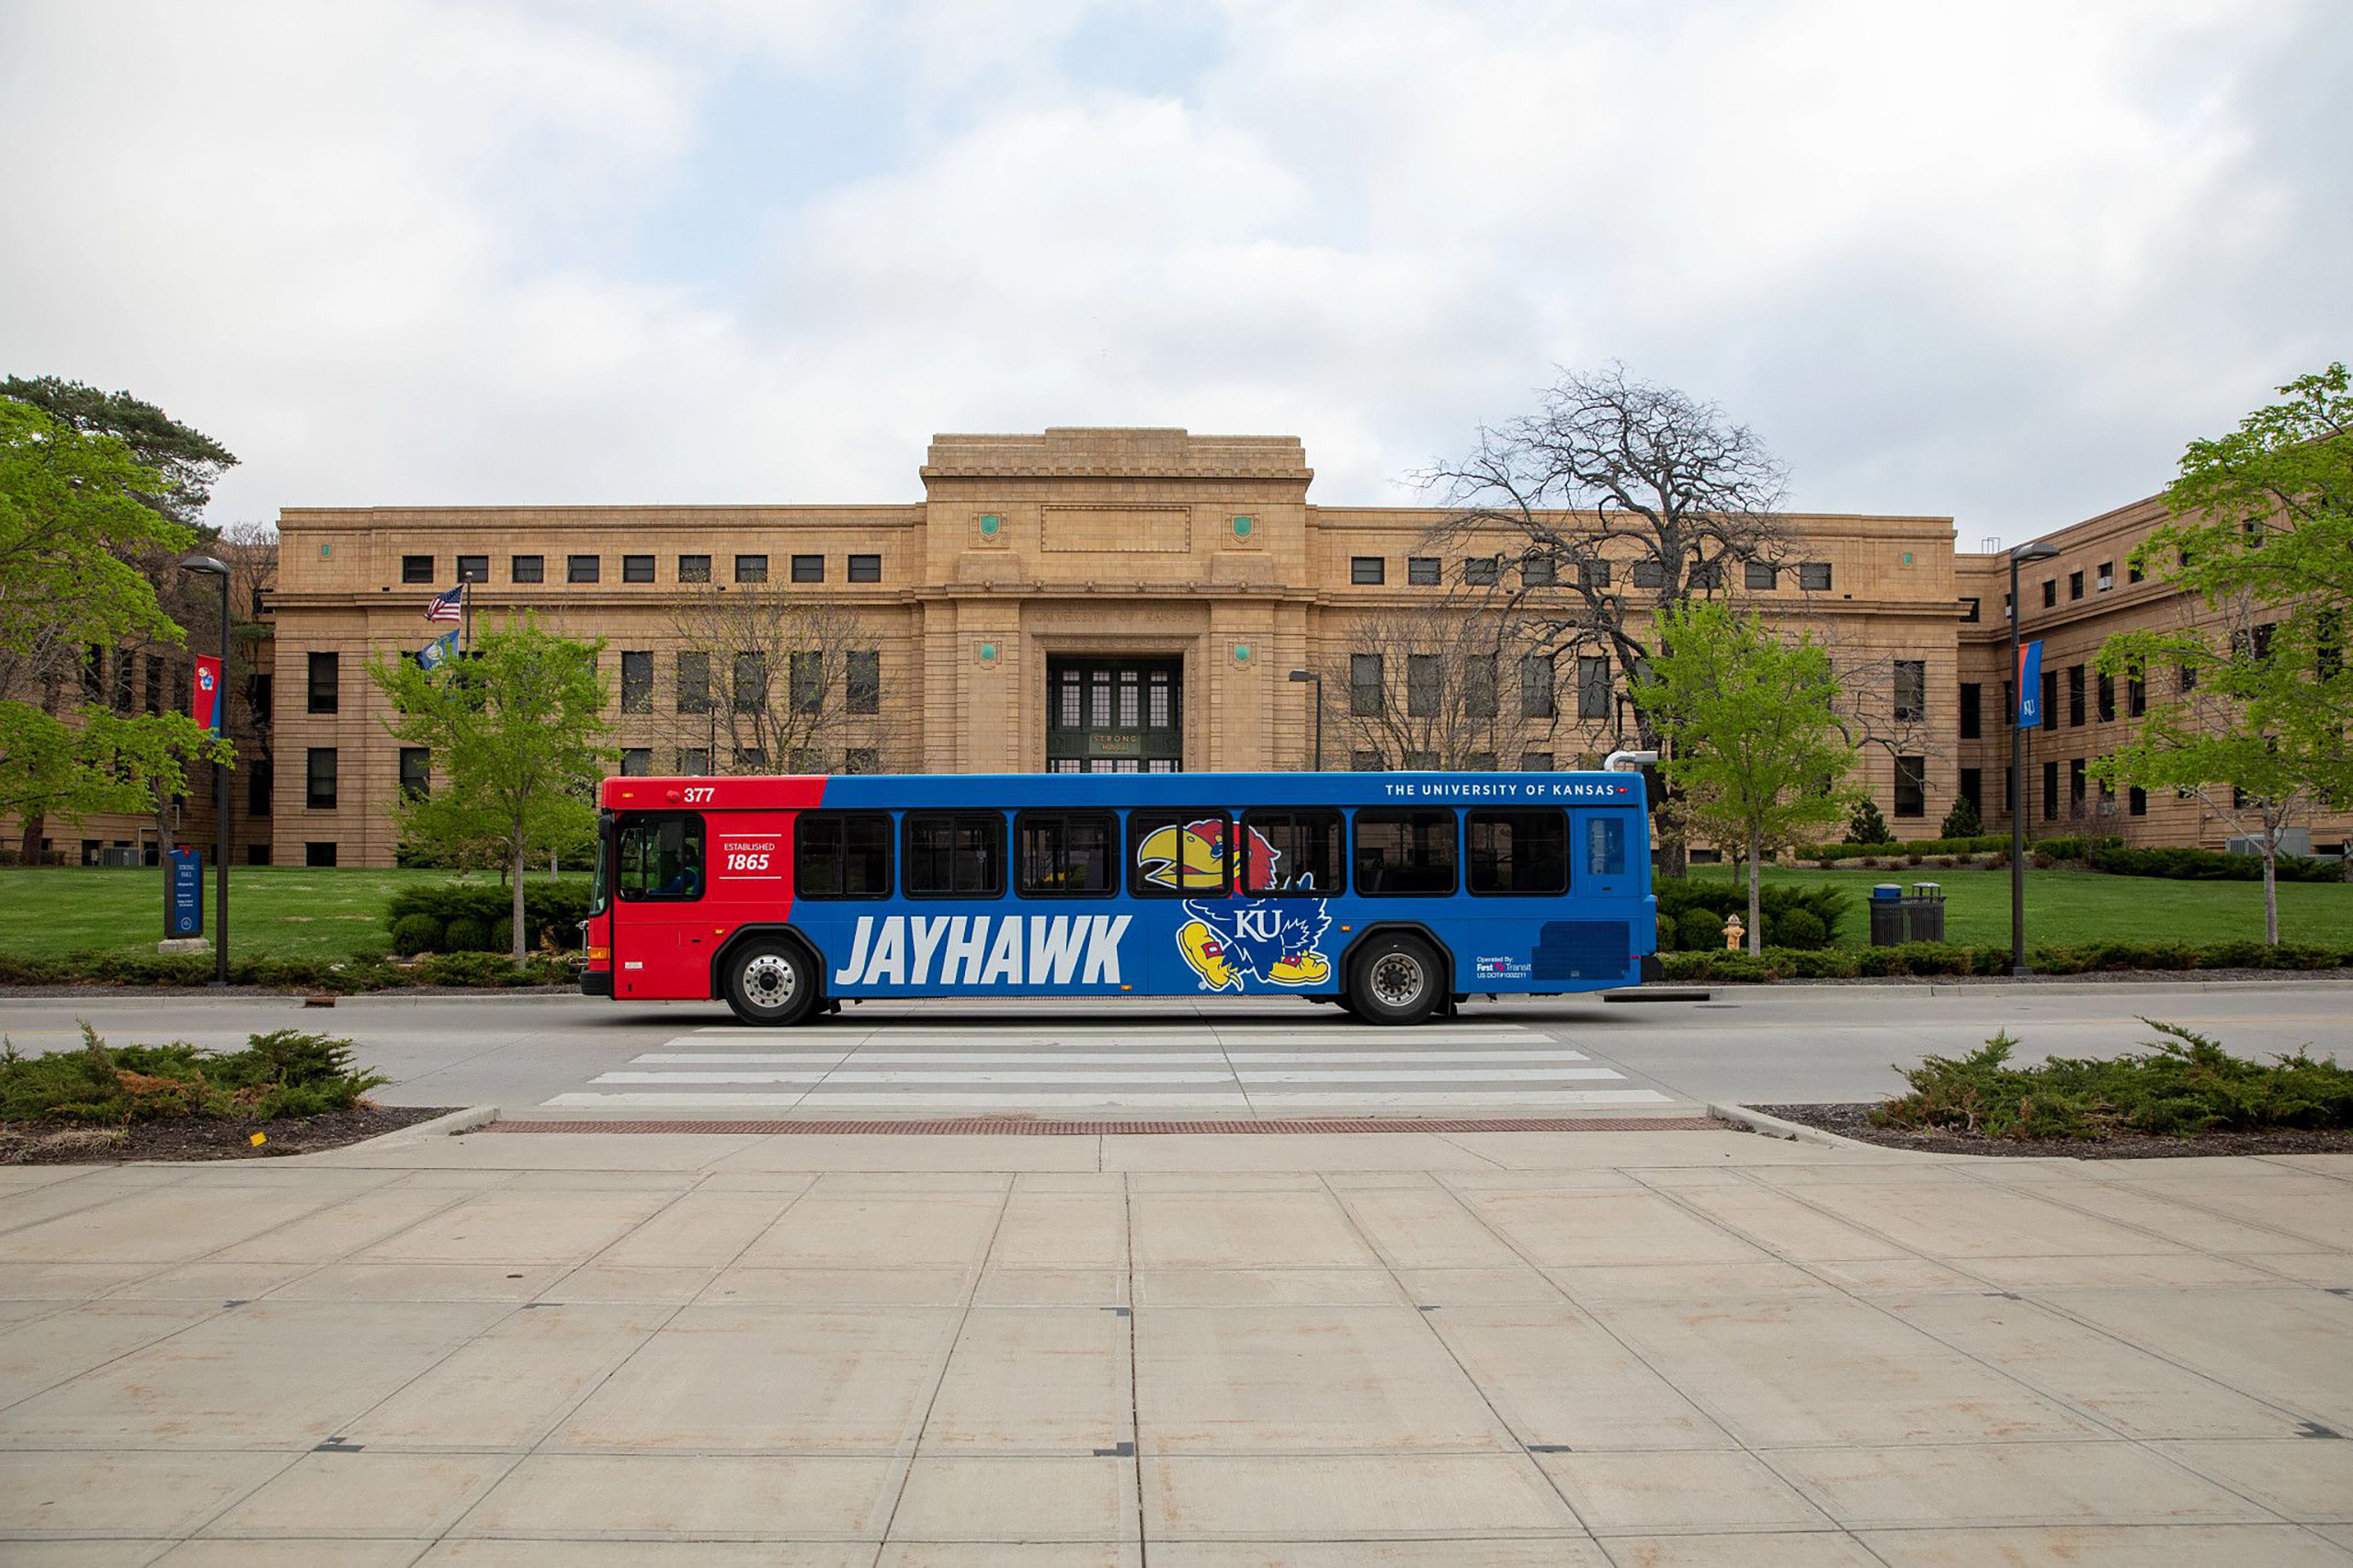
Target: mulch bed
{"points": [[1852, 1120], [197, 1138]]}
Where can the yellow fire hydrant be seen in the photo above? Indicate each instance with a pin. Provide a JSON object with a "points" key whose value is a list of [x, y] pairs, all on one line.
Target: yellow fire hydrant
{"points": [[1734, 932]]}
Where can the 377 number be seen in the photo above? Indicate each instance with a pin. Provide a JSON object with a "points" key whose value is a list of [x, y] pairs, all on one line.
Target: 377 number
{"points": [[698, 796]]}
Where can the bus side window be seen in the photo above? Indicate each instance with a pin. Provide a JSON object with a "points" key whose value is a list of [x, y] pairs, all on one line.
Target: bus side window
{"points": [[842, 855], [661, 858], [1405, 852], [954, 854], [1178, 853], [1063, 853], [1605, 847], [1519, 851], [1294, 851]]}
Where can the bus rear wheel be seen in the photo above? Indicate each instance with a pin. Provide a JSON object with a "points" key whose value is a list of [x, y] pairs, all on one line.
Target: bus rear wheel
{"points": [[1395, 981], [770, 983]]}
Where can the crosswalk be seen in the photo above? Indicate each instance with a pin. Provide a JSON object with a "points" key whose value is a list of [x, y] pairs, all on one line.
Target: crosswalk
{"points": [[916, 1065]]}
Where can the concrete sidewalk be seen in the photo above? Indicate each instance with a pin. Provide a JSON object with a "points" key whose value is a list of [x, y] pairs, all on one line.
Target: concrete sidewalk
{"points": [[1653, 1348]]}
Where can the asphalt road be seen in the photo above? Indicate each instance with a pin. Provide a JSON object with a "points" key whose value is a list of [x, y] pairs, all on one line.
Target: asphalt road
{"points": [[565, 1057]]}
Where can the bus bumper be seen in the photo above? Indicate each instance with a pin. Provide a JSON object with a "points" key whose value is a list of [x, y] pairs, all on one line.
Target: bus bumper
{"points": [[1652, 969], [596, 983]]}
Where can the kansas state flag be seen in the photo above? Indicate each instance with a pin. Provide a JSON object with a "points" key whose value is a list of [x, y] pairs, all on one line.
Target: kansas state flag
{"points": [[439, 652], [207, 706], [2030, 685]]}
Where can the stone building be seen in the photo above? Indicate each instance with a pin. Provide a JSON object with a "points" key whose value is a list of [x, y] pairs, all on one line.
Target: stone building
{"points": [[1136, 599]]}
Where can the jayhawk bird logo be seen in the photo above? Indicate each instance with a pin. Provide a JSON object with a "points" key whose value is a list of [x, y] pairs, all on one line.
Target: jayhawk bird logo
{"points": [[1227, 939]]}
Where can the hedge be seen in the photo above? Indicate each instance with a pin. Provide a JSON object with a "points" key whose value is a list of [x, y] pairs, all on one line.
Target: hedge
{"points": [[1991, 959], [1984, 844], [2208, 865], [1694, 912], [349, 976], [552, 911]]}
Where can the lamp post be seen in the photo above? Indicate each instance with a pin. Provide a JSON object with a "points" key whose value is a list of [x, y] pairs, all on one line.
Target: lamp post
{"points": [[2036, 550], [211, 566], [1317, 681]]}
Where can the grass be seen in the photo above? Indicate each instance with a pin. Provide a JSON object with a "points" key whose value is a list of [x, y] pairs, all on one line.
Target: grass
{"points": [[2075, 907], [274, 911]]}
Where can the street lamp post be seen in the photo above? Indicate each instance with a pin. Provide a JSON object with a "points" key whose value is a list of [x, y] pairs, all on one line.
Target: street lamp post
{"points": [[1317, 680], [211, 566], [2036, 550]]}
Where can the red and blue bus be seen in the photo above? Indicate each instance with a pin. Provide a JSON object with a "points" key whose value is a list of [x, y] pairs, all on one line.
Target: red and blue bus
{"points": [[1395, 895]]}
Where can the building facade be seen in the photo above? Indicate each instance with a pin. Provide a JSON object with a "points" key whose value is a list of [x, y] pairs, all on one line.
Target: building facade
{"points": [[1136, 599]]}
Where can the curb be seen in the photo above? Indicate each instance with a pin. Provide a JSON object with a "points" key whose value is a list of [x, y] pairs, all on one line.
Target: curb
{"points": [[456, 1121], [1792, 1132]]}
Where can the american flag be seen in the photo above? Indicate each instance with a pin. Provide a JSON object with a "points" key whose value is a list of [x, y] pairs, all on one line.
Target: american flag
{"points": [[448, 607]]}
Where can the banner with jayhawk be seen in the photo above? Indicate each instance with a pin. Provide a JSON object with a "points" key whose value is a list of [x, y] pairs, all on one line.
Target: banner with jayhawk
{"points": [[1229, 939]]}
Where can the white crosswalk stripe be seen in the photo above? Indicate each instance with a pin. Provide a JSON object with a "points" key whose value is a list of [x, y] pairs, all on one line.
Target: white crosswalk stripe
{"points": [[1160, 1066]]}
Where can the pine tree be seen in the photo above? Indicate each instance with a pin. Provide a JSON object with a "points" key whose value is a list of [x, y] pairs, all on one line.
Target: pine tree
{"points": [[1867, 826]]}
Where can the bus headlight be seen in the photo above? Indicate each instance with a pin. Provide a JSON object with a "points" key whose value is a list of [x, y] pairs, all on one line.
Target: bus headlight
{"points": [[600, 955]]}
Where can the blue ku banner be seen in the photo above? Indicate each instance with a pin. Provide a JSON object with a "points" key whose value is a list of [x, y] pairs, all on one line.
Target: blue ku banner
{"points": [[2030, 686]]}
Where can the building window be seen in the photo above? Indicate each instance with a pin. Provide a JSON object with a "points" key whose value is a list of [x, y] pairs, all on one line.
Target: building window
{"points": [[694, 683], [751, 568], [1422, 569], [1535, 691], [865, 568], [2075, 777], [258, 788], [416, 772], [808, 568], [2186, 677], [1649, 575], [1972, 788], [1419, 762], [1912, 688], [808, 677], [637, 762], [2050, 591], [861, 759], [862, 682], [474, 569], [2136, 801], [2133, 572], [2050, 791], [1483, 571], [750, 759], [416, 569], [2074, 696], [1366, 697], [637, 569], [1539, 571], [1593, 687], [2136, 695], [694, 569], [319, 772], [155, 683], [1367, 571], [1424, 678], [1970, 607], [751, 693], [2008, 610], [94, 673], [2105, 578], [1814, 576], [259, 706], [2107, 699], [319, 852], [1367, 762], [2075, 585], [1593, 573], [694, 762], [527, 568], [1911, 786], [1535, 762], [583, 569], [1759, 575], [1479, 699], [1971, 714], [1707, 575], [637, 681], [326, 681]]}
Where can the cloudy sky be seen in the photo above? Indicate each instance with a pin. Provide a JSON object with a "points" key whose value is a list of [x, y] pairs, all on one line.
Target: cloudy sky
{"points": [[1994, 260]]}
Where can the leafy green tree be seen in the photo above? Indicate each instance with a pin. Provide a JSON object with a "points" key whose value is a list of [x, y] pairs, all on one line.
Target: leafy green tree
{"points": [[1757, 748], [1962, 821], [513, 728], [2256, 693], [1867, 826], [75, 519], [187, 462]]}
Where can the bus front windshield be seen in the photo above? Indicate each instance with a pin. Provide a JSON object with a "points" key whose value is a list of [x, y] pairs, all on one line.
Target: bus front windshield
{"points": [[600, 885]]}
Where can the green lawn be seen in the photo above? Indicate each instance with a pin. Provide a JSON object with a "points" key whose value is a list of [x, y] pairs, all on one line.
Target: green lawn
{"points": [[274, 911], [2064, 907]]}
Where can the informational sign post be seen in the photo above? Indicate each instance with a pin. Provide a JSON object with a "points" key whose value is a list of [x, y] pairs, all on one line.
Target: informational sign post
{"points": [[183, 894]]}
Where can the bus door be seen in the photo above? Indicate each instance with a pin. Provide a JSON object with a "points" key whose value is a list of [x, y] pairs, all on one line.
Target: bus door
{"points": [[1602, 856], [662, 935]]}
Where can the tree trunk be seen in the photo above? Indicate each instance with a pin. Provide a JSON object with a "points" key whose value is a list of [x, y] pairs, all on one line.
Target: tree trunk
{"points": [[30, 854], [2271, 889], [515, 922], [1755, 897]]}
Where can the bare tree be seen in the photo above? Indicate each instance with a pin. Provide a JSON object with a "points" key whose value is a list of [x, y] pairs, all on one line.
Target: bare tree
{"points": [[1615, 499], [1441, 689], [766, 681]]}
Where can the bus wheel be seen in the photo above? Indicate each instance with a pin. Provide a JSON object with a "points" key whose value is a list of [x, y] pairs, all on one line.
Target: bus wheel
{"points": [[1397, 981], [770, 983]]}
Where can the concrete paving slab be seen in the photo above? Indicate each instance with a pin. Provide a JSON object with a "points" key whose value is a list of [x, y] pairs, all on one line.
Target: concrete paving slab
{"points": [[1266, 1286], [1053, 1287], [1424, 1228], [2075, 1546], [1628, 1493], [51, 1350], [1035, 1380], [1548, 1551], [322, 1554], [1246, 1229], [1811, 1548], [1555, 1229], [128, 1493], [2299, 1478], [935, 1286], [520, 1227], [1996, 1484], [1558, 1379], [85, 1553], [1019, 1500], [878, 1230], [1049, 1230], [2292, 1347], [328, 1496], [507, 1385], [644, 1553], [699, 1497], [1327, 1497]]}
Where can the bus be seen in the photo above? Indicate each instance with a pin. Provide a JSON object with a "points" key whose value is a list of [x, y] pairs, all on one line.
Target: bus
{"points": [[1394, 895]]}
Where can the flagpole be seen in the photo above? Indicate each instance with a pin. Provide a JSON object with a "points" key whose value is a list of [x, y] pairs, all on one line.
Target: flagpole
{"points": [[466, 613]]}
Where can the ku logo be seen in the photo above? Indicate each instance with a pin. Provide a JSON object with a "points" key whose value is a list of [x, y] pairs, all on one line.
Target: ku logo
{"points": [[1230, 939]]}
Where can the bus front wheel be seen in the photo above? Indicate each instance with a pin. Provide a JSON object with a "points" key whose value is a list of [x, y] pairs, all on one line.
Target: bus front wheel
{"points": [[770, 983], [1395, 981]]}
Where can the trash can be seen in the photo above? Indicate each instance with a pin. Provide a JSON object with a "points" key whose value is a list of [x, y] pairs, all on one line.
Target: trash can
{"points": [[1887, 916], [1923, 912]]}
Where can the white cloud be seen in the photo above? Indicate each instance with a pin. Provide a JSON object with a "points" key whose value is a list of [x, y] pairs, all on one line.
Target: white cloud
{"points": [[1996, 260]]}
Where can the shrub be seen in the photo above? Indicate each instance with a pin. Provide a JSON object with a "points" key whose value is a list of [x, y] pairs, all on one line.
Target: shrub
{"points": [[1978, 844], [1720, 899], [464, 934], [484, 970], [1867, 826], [418, 932], [2187, 1085], [551, 909], [283, 1072], [2206, 865], [1796, 929], [1697, 930], [502, 935], [1962, 821]]}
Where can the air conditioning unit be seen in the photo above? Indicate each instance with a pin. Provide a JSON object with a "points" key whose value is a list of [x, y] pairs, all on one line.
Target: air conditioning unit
{"points": [[2293, 841], [120, 855]]}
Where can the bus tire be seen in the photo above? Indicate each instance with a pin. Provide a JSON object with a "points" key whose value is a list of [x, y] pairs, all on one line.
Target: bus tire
{"points": [[770, 983], [1397, 980]]}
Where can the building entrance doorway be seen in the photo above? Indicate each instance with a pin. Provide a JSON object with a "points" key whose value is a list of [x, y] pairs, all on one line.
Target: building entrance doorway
{"points": [[1114, 715]]}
